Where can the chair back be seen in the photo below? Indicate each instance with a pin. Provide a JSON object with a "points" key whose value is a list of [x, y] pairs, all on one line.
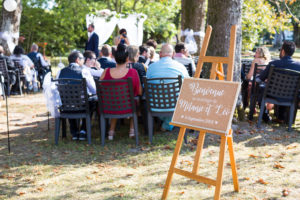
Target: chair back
{"points": [[283, 84], [189, 69], [116, 96], [246, 65], [19, 68], [73, 95], [162, 93], [3, 68], [257, 70]]}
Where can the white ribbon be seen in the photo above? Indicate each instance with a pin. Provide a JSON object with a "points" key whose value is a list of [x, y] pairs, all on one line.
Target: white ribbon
{"points": [[189, 41]]}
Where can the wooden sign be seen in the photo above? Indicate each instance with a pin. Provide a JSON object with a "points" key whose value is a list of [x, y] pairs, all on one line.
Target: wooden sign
{"points": [[206, 104]]}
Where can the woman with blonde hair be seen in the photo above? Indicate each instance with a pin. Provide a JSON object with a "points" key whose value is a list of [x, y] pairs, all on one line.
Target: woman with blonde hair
{"points": [[262, 57]]}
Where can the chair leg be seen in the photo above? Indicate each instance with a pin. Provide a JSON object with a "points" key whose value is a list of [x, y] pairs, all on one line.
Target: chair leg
{"points": [[20, 86], [136, 132], [57, 127], [64, 128], [291, 117], [102, 129], [88, 128], [261, 112], [150, 126], [185, 136]]}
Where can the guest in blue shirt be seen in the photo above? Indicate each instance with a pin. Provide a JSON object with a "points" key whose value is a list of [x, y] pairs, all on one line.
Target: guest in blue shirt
{"points": [[166, 67]]}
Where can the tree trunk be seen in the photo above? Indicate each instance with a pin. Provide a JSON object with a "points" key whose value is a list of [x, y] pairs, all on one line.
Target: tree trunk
{"points": [[297, 34], [193, 17], [10, 27], [221, 15]]}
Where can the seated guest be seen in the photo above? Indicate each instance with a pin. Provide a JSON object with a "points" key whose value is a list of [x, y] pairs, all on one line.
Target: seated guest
{"points": [[106, 60], [91, 64], [144, 54], [28, 68], [286, 62], [133, 55], [182, 55], [10, 66], [151, 57], [41, 65], [76, 70], [166, 67], [122, 72], [262, 57], [153, 43]]}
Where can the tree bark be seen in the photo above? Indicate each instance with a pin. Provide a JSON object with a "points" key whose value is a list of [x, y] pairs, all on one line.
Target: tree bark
{"points": [[193, 17], [221, 15], [10, 27], [296, 33]]}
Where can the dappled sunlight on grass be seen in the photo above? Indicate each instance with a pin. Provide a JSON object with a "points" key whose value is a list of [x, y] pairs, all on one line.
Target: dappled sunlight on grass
{"points": [[267, 160]]}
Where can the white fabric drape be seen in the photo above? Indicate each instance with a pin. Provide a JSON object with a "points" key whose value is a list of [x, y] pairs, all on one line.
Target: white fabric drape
{"points": [[189, 41], [133, 24]]}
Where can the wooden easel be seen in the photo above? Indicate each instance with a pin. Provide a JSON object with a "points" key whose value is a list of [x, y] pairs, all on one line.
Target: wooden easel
{"points": [[216, 71]]}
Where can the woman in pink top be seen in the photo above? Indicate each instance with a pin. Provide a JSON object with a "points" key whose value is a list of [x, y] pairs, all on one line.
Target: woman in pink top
{"points": [[122, 72]]}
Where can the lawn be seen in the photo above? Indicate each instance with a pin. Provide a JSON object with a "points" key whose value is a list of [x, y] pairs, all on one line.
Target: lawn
{"points": [[267, 159]]}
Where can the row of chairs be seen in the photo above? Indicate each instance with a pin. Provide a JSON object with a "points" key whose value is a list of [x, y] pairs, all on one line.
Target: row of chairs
{"points": [[6, 74], [20, 76], [282, 88], [117, 95]]}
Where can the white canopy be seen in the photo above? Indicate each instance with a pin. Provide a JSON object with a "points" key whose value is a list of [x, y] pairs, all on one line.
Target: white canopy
{"points": [[106, 21]]}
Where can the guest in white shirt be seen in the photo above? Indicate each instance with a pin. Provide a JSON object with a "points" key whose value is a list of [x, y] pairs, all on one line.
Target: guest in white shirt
{"points": [[28, 68], [182, 56], [91, 64]]}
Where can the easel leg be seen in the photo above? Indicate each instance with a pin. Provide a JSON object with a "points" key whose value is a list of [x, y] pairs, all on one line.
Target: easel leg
{"points": [[232, 163], [220, 168], [200, 142], [173, 162]]}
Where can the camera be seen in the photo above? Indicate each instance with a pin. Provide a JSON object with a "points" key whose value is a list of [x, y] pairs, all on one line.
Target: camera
{"points": [[124, 35]]}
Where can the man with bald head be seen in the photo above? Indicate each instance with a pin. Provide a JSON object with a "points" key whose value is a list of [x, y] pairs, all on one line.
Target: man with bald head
{"points": [[166, 66]]}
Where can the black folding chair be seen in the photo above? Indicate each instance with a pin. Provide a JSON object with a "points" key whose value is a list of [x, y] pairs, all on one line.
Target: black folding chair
{"points": [[246, 65], [161, 96], [75, 105], [20, 75], [255, 89], [282, 89], [5, 73], [189, 69], [116, 96]]}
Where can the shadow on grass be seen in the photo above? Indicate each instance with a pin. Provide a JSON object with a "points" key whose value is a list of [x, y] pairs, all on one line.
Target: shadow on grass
{"points": [[33, 145]]}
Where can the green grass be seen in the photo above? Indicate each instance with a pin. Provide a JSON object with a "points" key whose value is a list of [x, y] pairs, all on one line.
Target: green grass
{"points": [[38, 169]]}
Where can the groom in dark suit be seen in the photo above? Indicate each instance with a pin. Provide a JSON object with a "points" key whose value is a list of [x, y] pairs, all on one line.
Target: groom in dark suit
{"points": [[93, 40]]}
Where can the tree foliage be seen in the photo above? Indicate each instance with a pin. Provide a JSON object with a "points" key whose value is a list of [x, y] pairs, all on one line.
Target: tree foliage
{"points": [[260, 17], [63, 26]]}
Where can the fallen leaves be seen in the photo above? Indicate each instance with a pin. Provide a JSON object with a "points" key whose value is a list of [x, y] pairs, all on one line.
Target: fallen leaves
{"points": [[291, 147], [40, 189], [167, 147], [285, 192], [278, 166], [21, 193], [246, 178], [261, 181], [253, 156], [187, 162]]}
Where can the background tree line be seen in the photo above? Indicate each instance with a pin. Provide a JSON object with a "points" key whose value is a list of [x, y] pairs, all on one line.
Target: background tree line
{"points": [[61, 24]]}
